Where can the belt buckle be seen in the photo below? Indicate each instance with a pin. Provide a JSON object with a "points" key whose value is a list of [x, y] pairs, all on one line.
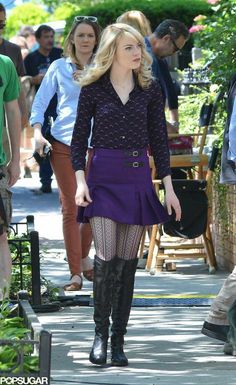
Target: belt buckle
{"points": [[135, 164], [135, 153]]}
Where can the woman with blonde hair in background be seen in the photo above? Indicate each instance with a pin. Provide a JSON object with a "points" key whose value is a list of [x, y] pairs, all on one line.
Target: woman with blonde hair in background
{"points": [[137, 20], [62, 78], [118, 198]]}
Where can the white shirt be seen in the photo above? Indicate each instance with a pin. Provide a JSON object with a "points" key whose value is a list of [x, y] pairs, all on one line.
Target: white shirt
{"points": [[58, 79]]}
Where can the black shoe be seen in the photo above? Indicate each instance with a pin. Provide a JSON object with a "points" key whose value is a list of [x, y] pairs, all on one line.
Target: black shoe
{"points": [[98, 354], [46, 189], [219, 332], [229, 349], [118, 357], [102, 292]]}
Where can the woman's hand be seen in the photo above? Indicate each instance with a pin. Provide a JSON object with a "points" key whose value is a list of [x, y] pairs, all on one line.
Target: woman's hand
{"points": [[82, 197], [171, 199], [39, 141], [173, 202]]}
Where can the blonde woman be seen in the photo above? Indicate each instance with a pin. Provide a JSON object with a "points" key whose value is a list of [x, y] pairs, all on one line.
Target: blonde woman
{"points": [[118, 198], [137, 20], [61, 78]]}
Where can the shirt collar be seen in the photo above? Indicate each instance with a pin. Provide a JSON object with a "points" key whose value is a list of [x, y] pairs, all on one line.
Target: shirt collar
{"points": [[68, 59], [105, 79]]}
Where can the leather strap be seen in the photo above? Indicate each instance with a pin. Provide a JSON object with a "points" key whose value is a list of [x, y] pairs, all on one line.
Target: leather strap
{"points": [[134, 153], [134, 164]]}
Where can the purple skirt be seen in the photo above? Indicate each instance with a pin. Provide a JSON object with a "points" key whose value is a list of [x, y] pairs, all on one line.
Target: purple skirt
{"points": [[121, 188]]}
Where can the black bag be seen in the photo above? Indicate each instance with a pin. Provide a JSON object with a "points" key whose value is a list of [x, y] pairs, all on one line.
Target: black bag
{"points": [[194, 205], [205, 114]]}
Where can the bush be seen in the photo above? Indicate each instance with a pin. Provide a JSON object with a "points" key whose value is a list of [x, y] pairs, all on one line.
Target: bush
{"points": [[219, 37], [107, 12], [25, 14], [156, 11]]}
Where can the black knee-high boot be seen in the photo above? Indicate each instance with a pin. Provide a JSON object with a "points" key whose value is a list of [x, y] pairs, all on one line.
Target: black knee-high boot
{"points": [[102, 291], [124, 272]]}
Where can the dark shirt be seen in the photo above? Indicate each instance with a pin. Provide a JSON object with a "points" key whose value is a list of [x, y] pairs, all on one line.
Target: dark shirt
{"points": [[13, 51], [138, 123], [36, 63], [160, 70]]}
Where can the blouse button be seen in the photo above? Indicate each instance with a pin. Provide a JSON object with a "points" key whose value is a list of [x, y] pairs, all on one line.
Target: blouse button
{"points": [[122, 137]]}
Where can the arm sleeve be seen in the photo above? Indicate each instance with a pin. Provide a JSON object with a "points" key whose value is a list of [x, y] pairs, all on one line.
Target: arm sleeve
{"points": [[82, 128], [46, 91], [232, 134], [12, 90], [158, 132], [170, 91]]}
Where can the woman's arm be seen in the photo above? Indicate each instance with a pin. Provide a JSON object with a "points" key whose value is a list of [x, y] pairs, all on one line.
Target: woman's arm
{"points": [[157, 131], [82, 127], [46, 91], [79, 143], [82, 197], [14, 128]]}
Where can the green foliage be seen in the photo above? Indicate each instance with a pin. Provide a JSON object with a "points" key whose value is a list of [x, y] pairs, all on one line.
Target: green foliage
{"points": [[25, 14], [156, 11], [54, 4], [12, 329], [190, 107], [219, 37], [64, 11], [189, 110], [20, 245]]}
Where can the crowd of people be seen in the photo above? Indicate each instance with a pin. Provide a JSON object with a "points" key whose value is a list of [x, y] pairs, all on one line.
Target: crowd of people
{"points": [[99, 111]]}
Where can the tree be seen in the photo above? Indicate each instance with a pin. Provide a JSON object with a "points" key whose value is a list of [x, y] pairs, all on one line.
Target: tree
{"points": [[64, 11], [54, 4], [25, 14], [218, 36]]}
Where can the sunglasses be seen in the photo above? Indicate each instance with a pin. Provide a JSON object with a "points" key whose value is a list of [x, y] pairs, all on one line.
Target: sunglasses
{"points": [[176, 48], [78, 19]]}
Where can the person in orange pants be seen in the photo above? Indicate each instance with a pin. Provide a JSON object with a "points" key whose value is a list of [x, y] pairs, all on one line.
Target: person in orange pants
{"points": [[62, 78]]}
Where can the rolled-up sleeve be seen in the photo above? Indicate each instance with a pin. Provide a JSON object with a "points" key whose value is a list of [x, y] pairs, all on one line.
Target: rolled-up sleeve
{"points": [[46, 91], [82, 128], [157, 131]]}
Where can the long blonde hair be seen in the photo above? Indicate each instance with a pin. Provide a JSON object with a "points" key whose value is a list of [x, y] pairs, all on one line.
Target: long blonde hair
{"points": [[137, 20], [106, 51]]}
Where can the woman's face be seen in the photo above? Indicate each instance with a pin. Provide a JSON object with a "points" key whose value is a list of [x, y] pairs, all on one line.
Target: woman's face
{"points": [[128, 53], [84, 39]]}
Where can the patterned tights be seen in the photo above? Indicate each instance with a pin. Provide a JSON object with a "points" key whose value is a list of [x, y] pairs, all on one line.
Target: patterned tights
{"points": [[113, 239]]}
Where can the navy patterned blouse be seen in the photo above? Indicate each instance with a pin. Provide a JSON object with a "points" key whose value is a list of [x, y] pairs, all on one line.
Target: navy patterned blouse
{"points": [[138, 123]]}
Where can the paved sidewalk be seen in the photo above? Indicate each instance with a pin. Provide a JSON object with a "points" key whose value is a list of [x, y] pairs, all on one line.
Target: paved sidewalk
{"points": [[164, 344]]}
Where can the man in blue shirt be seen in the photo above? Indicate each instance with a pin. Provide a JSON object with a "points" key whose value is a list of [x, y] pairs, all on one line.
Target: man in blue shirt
{"points": [[168, 38], [36, 65]]}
